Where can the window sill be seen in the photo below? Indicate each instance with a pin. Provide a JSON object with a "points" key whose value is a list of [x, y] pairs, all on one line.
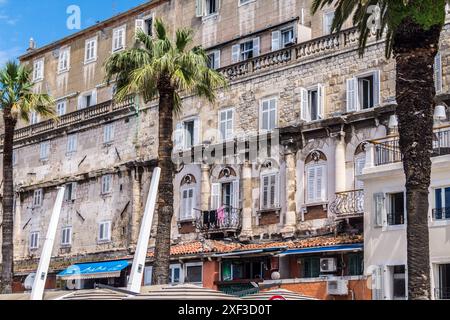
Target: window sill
{"points": [[316, 204], [439, 223], [276, 210], [210, 16], [86, 62], [103, 242], [401, 227], [63, 71], [38, 80], [118, 50], [245, 3]]}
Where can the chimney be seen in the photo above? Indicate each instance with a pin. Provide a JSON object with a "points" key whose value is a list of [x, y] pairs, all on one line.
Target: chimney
{"points": [[32, 45]]}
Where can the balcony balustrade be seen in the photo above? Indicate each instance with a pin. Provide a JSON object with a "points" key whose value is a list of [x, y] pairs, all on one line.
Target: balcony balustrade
{"points": [[215, 222], [348, 204]]}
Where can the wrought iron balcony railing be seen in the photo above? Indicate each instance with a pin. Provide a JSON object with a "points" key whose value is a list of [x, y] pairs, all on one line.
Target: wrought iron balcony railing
{"points": [[214, 221], [348, 204], [387, 150], [441, 213]]}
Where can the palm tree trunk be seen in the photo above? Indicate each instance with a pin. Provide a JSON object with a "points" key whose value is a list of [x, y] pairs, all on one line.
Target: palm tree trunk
{"points": [[415, 50], [165, 198], [6, 278]]}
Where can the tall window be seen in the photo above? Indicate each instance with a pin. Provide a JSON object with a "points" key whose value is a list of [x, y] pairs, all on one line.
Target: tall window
{"points": [[282, 38], [214, 59], [34, 240], [118, 42], [44, 150], [363, 92], [61, 107], [71, 190], [187, 203], [66, 236], [38, 196], [316, 178], [87, 99], [441, 209], [90, 50], [175, 275], [104, 232], [310, 267], [64, 59], [312, 103], [360, 163], [268, 114], [193, 273], [398, 282], [187, 134], [34, 117], [72, 143], [212, 6], [270, 191], [107, 184], [226, 119], [327, 22], [206, 7], [245, 50], [438, 72], [38, 70], [396, 209], [148, 273], [108, 133]]}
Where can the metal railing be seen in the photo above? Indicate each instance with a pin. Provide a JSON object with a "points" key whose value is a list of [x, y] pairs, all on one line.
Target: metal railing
{"points": [[442, 293], [69, 119], [306, 50], [441, 213], [216, 221], [387, 150], [395, 218], [348, 204]]}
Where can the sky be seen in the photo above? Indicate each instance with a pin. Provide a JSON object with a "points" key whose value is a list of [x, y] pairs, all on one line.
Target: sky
{"points": [[46, 21]]}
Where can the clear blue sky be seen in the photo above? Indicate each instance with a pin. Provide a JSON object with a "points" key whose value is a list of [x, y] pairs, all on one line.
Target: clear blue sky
{"points": [[45, 21]]}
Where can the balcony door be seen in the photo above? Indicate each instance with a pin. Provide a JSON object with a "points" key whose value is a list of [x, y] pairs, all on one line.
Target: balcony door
{"points": [[443, 291]]}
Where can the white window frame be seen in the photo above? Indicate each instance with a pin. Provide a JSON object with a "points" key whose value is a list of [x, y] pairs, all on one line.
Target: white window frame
{"points": [[305, 102], [324, 183], [61, 108], [66, 236], [108, 133], [34, 240], [72, 143], [34, 117], [192, 264], [270, 109], [38, 69], [106, 184], [327, 24], [64, 60], [90, 50], [215, 59], [105, 226], [38, 198], [184, 216], [237, 53], [73, 190], [119, 38], [353, 95], [82, 103], [226, 135], [359, 184], [44, 150], [15, 157], [201, 7], [172, 271], [276, 201]]}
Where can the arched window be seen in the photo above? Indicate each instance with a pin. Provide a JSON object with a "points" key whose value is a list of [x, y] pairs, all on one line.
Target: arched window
{"points": [[187, 197], [270, 186], [225, 192], [360, 163], [316, 177]]}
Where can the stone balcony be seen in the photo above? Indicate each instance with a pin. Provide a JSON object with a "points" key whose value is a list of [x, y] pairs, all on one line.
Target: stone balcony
{"points": [[348, 204]]}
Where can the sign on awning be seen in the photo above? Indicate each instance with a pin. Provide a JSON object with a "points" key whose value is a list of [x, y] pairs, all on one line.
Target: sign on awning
{"points": [[108, 269]]}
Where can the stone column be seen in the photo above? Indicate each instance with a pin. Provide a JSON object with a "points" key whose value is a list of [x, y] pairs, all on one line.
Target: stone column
{"points": [[205, 187], [247, 200], [340, 172], [291, 189]]}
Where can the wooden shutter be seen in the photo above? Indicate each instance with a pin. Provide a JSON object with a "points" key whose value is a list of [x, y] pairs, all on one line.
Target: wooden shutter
{"points": [[236, 194], [256, 49], [310, 184], [217, 59], [199, 8], [179, 136], [139, 25], [378, 209], [215, 196], [196, 132], [276, 37], [321, 100], [320, 183], [94, 98], [265, 192], [376, 88], [74, 191], [377, 283], [360, 163], [235, 53], [352, 94], [305, 114], [438, 72]]}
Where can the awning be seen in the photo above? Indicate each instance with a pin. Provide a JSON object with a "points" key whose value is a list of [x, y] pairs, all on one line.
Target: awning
{"points": [[108, 269], [337, 248], [265, 251]]}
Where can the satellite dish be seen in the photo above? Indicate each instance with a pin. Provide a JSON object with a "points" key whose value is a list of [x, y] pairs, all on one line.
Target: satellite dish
{"points": [[29, 281]]}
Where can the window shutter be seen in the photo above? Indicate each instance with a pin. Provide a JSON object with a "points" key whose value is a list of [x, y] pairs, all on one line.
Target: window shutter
{"points": [[217, 59], [352, 94], [215, 196], [320, 185], [236, 51], [265, 192], [196, 131], [377, 283], [321, 100], [199, 8], [438, 72], [304, 105], [276, 35], [376, 88], [236, 194], [379, 208], [311, 183], [94, 98], [256, 47], [74, 191], [179, 136], [360, 163], [139, 25], [81, 102]]}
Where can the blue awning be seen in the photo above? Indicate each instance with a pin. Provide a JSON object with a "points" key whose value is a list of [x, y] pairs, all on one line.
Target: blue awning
{"points": [[108, 269], [337, 248]]}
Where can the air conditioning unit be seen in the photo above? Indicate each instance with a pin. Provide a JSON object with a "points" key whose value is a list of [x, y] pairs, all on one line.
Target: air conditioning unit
{"points": [[337, 287], [328, 265]]}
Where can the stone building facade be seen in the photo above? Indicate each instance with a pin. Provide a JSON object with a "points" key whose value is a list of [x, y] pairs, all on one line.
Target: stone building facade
{"points": [[292, 218]]}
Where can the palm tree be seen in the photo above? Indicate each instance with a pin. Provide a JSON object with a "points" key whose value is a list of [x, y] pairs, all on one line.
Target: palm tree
{"points": [[17, 101], [159, 67], [411, 29]]}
